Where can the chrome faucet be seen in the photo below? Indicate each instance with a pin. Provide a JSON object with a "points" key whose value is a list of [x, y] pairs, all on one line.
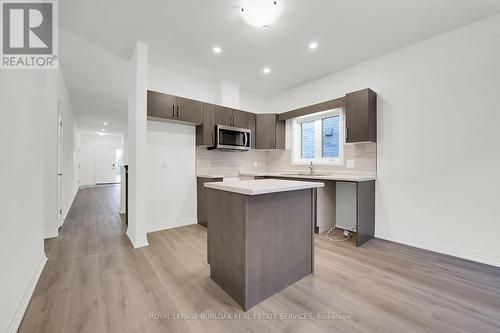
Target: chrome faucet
{"points": [[311, 169]]}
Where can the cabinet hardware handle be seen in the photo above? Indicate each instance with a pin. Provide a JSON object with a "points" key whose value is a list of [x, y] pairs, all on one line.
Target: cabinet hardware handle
{"points": [[178, 112], [173, 111], [347, 134], [245, 141], [213, 137]]}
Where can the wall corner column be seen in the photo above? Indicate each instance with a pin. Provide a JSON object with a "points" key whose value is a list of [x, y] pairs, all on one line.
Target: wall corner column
{"points": [[137, 145]]}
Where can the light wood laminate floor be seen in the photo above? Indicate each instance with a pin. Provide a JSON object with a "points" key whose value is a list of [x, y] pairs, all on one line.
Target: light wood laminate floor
{"points": [[94, 281]]}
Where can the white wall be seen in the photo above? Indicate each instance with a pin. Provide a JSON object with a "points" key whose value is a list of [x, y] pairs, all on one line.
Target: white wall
{"points": [[179, 84], [227, 93], [22, 173], [49, 137], [171, 147], [438, 137], [172, 179], [69, 143], [171, 200], [137, 145], [253, 103], [88, 143]]}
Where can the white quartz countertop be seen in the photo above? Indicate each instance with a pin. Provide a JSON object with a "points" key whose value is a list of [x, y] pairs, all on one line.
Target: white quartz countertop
{"points": [[262, 186], [209, 176], [348, 177]]}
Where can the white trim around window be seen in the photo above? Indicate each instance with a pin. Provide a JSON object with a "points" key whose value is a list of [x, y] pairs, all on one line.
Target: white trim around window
{"points": [[296, 140]]}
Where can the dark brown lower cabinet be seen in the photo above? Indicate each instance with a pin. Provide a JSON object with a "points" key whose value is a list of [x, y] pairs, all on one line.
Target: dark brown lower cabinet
{"points": [[365, 211], [259, 245], [202, 199]]}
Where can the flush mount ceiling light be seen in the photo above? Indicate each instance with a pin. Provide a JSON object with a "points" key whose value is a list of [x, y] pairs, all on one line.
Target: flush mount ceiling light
{"points": [[266, 70], [217, 49], [313, 45], [105, 123], [260, 13]]}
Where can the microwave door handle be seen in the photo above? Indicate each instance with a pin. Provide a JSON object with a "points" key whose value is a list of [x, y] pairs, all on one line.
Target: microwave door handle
{"points": [[246, 139]]}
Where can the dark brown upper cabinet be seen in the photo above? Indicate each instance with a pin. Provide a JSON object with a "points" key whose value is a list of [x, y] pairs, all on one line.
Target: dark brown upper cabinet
{"points": [[205, 133], [161, 105], [361, 116], [251, 126], [240, 119], [230, 117], [189, 110], [223, 116], [168, 107], [270, 132]]}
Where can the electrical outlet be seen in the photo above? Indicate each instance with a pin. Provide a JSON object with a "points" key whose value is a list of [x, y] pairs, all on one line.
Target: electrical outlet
{"points": [[255, 164], [350, 164]]}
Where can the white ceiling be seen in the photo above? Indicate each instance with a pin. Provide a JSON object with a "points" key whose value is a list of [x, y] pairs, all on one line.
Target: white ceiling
{"points": [[96, 80], [181, 34]]}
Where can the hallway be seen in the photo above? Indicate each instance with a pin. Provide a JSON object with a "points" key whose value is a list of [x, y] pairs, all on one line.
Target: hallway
{"points": [[68, 296], [94, 281]]}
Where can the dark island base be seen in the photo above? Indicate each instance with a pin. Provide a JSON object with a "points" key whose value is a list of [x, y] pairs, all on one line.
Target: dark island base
{"points": [[259, 245]]}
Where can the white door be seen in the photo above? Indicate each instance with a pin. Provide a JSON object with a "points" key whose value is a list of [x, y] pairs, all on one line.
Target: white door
{"points": [[105, 159]]}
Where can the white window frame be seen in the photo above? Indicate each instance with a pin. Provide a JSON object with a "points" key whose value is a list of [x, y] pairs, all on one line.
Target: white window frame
{"points": [[296, 140]]}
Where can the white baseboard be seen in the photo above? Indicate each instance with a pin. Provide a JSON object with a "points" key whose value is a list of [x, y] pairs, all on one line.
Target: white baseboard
{"points": [[51, 233], [168, 225], [69, 206], [25, 300], [137, 243], [471, 255]]}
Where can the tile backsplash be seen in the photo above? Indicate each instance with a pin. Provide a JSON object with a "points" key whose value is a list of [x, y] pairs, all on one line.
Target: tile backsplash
{"points": [[229, 163], [361, 157]]}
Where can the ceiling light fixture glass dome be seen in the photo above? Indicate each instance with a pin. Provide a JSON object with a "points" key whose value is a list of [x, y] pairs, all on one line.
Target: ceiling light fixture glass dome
{"points": [[261, 13]]}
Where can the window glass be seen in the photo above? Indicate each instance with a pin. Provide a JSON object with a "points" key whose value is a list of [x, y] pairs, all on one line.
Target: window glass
{"points": [[307, 138], [317, 138], [330, 137]]}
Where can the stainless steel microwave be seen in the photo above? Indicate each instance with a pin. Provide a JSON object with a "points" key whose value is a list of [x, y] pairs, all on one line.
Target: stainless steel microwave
{"points": [[232, 138]]}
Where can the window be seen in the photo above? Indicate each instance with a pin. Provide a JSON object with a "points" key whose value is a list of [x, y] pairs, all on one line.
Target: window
{"points": [[317, 138], [307, 140]]}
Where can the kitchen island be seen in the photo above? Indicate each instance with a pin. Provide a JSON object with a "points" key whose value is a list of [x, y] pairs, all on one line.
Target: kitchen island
{"points": [[260, 236]]}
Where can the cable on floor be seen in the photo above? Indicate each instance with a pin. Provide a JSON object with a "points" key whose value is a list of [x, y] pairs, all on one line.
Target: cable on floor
{"points": [[336, 240]]}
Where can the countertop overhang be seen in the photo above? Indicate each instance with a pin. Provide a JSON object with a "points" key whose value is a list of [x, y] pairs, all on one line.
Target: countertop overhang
{"points": [[337, 176], [262, 186]]}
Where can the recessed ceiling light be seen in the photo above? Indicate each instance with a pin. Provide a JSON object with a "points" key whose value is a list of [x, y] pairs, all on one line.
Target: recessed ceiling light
{"points": [[266, 70], [217, 49], [313, 45], [102, 129], [101, 134], [105, 123], [261, 13]]}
